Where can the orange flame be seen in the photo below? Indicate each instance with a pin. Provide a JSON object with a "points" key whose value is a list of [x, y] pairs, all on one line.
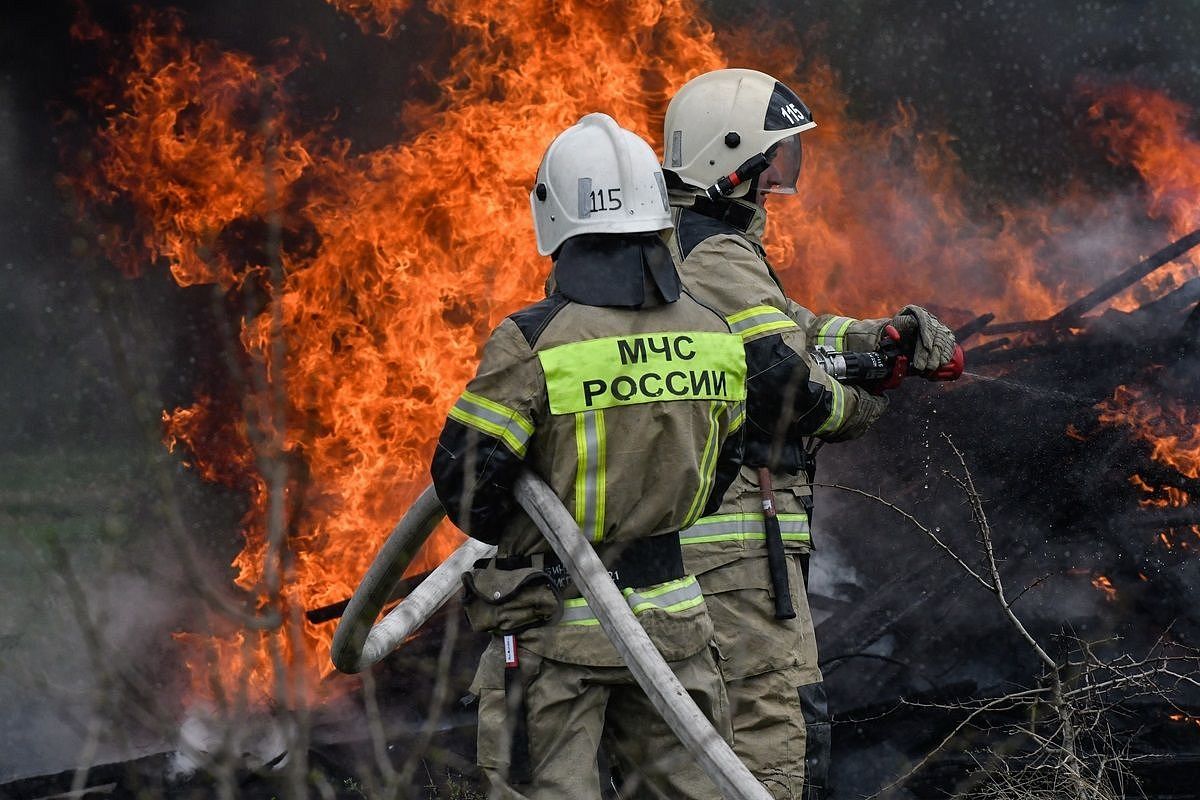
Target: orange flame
{"points": [[1152, 133], [1102, 583], [1171, 428], [1170, 497], [385, 270], [1179, 717]]}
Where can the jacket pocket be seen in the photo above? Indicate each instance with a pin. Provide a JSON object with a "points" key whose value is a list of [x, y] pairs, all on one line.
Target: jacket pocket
{"points": [[509, 600]]}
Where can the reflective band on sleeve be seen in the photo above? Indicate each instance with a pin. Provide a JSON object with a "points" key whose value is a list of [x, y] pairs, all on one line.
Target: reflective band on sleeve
{"points": [[837, 411], [493, 419], [744, 527], [737, 416], [833, 333], [708, 464], [590, 478], [759, 320], [672, 596], [646, 368]]}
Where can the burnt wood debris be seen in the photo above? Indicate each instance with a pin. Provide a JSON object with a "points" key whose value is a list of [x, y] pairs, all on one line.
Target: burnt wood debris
{"points": [[903, 632]]}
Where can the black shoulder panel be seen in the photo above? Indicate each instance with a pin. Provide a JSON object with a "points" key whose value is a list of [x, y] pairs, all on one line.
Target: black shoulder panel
{"points": [[532, 320], [694, 228]]}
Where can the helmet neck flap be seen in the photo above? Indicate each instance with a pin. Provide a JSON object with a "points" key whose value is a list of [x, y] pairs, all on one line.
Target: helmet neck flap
{"points": [[632, 271]]}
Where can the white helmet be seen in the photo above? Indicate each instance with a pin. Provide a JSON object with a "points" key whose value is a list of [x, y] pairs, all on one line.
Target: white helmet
{"points": [[721, 128], [597, 177]]}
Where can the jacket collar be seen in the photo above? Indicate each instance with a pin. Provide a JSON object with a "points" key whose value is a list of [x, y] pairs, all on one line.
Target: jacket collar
{"points": [[745, 216]]}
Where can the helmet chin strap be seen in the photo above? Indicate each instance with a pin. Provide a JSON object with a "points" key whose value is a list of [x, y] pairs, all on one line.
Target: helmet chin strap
{"points": [[749, 170]]}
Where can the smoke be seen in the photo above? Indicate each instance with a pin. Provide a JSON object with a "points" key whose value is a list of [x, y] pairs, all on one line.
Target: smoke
{"points": [[86, 666], [1002, 77]]}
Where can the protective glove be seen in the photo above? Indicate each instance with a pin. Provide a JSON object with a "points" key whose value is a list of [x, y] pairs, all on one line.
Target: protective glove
{"points": [[931, 342]]}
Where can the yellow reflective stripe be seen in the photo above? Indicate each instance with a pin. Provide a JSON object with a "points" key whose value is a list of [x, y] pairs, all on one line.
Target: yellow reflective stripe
{"points": [[671, 596], [748, 313], [757, 320], [738, 414], [601, 476], [682, 605], [590, 473], [647, 368], [502, 410], [495, 420], [662, 588], [708, 466], [837, 339], [581, 456], [837, 411], [767, 327], [743, 527]]}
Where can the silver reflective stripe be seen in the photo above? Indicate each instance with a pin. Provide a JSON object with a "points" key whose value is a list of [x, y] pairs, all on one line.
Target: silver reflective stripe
{"points": [[744, 527], [676, 595], [493, 419], [590, 473], [833, 333], [670, 596], [794, 525], [577, 612], [764, 317], [585, 191], [737, 416]]}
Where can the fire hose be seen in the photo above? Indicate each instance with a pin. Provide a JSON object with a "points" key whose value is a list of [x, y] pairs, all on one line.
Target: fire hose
{"points": [[357, 643]]}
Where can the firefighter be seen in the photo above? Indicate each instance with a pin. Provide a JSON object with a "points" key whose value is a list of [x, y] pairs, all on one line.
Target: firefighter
{"points": [[732, 137], [615, 380]]}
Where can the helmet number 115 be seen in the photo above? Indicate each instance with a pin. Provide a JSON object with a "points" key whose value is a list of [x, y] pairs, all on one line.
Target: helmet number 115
{"points": [[604, 200]]}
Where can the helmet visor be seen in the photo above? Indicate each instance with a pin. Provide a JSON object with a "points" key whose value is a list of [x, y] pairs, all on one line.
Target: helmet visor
{"points": [[784, 171]]}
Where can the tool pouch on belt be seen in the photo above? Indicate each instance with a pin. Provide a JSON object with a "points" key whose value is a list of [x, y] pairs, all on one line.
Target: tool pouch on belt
{"points": [[509, 600]]}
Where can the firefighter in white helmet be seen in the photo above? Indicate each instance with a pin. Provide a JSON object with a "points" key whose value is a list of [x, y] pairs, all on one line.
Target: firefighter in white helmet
{"points": [[616, 379], [733, 137]]}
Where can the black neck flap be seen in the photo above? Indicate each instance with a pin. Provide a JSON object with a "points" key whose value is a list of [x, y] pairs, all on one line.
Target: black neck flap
{"points": [[625, 271], [731, 212]]}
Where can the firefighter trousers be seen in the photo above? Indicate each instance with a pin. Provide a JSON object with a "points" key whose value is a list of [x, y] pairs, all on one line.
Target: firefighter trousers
{"points": [[776, 698], [570, 709]]}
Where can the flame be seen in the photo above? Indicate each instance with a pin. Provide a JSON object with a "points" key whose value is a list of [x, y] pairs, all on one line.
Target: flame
{"points": [[360, 285], [1171, 428], [1168, 496], [1152, 133], [1180, 717], [1102, 583]]}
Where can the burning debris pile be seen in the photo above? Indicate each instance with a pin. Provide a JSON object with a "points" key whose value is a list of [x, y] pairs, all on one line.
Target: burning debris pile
{"points": [[353, 284], [1081, 437]]}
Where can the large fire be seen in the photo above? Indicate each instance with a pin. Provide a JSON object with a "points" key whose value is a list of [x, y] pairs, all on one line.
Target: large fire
{"points": [[383, 271]]}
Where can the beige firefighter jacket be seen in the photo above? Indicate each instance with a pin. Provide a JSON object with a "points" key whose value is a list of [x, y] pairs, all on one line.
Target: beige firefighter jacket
{"points": [[724, 265], [627, 415]]}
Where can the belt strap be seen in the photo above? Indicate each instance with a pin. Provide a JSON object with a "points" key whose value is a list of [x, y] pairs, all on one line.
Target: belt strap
{"points": [[791, 457], [631, 565]]}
